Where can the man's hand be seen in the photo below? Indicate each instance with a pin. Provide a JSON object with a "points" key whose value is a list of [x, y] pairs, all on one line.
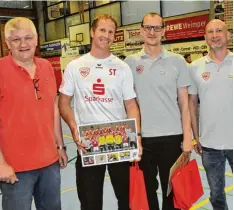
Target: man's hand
{"points": [[187, 146], [62, 158], [197, 147], [76, 139], [7, 174]]}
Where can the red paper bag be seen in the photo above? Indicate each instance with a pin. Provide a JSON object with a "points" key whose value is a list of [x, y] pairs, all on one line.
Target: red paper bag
{"points": [[187, 186], [138, 197]]}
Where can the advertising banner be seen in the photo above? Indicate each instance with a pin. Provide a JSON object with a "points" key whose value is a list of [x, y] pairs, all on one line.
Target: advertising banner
{"points": [[133, 39], [51, 49], [109, 142], [68, 51], [118, 43], [186, 27], [193, 48], [55, 62]]}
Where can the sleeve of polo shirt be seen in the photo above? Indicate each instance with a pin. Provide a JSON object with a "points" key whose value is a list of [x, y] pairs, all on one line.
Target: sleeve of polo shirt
{"points": [[127, 88], [128, 60], [192, 90], [68, 84], [183, 79]]}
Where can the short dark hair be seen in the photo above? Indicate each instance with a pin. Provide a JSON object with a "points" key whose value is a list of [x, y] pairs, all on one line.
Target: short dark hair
{"points": [[187, 55], [152, 14], [103, 17]]}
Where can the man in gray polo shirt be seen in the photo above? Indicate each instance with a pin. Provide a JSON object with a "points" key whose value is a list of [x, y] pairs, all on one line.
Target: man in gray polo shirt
{"points": [[161, 77], [212, 81]]}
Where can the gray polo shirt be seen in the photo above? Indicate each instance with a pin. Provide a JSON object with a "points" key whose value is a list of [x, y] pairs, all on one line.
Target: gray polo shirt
{"points": [[156, 83], [214, 85]]}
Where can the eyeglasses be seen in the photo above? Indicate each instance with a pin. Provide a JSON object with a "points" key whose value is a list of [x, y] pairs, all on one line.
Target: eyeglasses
{"points": [[36, 87], [17, 41], [148, 28]]}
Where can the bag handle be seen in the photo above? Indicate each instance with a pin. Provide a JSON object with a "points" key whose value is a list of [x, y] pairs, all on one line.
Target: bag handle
{"points": [[136, 165], [184, 161]]}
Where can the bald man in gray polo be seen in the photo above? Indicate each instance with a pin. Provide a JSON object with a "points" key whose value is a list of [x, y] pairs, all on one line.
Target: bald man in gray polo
{"points": [[212, 82]]}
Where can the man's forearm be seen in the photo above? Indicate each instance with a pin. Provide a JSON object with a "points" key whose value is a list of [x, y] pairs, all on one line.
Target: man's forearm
{"points": [[186, 123], [57, 126], [2, 159], [194, 119], [67, 114], [133, 112]]}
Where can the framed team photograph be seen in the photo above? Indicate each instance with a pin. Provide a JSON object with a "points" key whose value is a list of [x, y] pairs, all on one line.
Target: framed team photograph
{"points": [[108, 143]]}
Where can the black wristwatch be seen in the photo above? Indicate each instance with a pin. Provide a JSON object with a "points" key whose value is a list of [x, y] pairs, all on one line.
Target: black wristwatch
{"points": [[62, 147], [139, 134]]}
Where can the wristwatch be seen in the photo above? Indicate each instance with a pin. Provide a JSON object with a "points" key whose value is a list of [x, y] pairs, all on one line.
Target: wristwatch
{"points": [[62, 147], [139, 134]]}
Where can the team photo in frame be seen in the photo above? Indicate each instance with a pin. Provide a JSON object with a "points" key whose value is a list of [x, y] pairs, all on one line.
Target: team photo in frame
{"points": [[110, 142]]}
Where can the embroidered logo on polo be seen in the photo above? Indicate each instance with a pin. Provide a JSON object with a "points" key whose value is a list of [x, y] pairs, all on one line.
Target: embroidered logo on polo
{"points": [[162, 72], [84, 71], [139, 69], [206, 76], [230, 76]]}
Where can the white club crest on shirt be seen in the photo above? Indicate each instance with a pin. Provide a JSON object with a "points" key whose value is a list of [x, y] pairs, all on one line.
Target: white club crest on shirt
{"points": [[84, 71], [139, 69], [206, 76]]}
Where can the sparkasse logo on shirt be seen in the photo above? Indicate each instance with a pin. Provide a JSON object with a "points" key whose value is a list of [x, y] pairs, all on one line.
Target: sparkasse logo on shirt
{"points": [[99, 89]]}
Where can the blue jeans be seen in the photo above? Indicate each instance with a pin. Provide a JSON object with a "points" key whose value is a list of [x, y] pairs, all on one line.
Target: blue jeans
{"points": [[43, 184], [214, 163]]}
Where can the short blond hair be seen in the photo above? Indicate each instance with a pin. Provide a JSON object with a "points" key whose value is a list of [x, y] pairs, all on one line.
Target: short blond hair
{"points": [[103, 17], [17, 24]]}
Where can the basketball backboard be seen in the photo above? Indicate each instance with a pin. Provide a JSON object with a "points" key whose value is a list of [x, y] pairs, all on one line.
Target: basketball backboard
{"points": [[79, 35]]}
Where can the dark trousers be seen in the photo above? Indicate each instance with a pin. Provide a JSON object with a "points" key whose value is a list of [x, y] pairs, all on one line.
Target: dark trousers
{"points": [[90, 182], [159, 154]]}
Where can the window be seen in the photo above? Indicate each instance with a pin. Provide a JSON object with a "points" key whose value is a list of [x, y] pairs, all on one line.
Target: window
{"points": [[52, 2], [99, 3], [75, 20], [75, 6], [16, 4], [55, 30], [112, 9], [55, 11]]}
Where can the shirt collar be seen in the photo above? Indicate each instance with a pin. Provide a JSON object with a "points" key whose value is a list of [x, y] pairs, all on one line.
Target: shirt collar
{"points": [[10, 57], [229, 56], [162, 55]]}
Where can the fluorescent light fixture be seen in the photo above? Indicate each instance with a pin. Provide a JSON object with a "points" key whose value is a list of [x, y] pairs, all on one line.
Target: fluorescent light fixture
{"points": [[26, 6]]}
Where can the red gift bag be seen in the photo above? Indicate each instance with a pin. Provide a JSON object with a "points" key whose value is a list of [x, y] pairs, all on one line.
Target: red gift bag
{"points": [[137, 196], [186, 186]]}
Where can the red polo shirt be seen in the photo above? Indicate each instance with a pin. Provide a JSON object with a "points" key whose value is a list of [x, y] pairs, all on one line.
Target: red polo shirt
{"points": [[27, 136]]}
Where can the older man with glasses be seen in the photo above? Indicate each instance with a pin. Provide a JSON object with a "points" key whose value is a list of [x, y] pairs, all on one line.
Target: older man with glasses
{"points": [[31, 144], [161, 82]]}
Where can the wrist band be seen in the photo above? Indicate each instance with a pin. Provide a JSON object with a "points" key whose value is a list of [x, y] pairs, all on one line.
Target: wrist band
{"points": [[62, 147]]}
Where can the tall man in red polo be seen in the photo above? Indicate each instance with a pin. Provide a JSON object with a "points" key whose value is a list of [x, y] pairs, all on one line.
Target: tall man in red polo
{"points": [[31, 143]]}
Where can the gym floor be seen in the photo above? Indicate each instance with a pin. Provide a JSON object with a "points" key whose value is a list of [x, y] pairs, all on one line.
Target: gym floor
{"points": [[68, 188]]}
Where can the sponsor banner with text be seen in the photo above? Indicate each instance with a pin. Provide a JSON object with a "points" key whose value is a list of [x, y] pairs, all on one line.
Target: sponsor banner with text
{"points": [[188, 27], [51, 49], [118, 43], [55, 62], [193, 48], [133, 38]]}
